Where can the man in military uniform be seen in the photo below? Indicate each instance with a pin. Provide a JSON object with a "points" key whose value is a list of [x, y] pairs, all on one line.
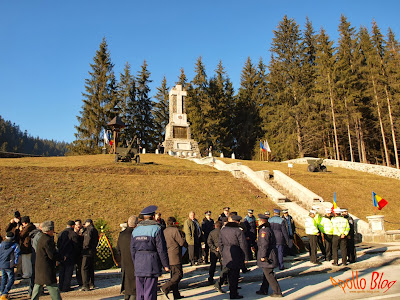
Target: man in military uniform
{"points": [[207, 226], [312, 234], [267, 258], [149, 254], [90, 240], [225, 213], [291, 228], [267, 214], [233, 247], [341, 229], [281, 235], [326, 228], [351, 248], [251, 232]]}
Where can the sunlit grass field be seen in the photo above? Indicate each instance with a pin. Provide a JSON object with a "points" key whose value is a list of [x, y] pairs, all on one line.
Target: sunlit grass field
{"points": [[353, 189], [64, 188]]}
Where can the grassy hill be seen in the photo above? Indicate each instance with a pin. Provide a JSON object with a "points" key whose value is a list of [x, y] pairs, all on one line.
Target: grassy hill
{"points": [[353, 189], [63, 188]]}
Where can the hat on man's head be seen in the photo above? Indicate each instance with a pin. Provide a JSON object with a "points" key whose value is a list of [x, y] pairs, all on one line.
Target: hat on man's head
{"points": [[261, 216], [344, 210], [250, 211], [337, 210], [47, 226], [236, 218], [277, 211], [208, 212], [70, 223], [267, 213], [149, 210], [25, 219], [17, 214], [227, 208], [9, 235], [234, 213], [285, 211]]}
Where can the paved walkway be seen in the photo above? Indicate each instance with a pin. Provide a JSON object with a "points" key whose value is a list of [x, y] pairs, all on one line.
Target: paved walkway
{"points": [[300, 279]]}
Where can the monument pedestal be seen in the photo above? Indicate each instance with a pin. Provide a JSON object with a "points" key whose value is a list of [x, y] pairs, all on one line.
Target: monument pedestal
{"points": [[178, 137]]}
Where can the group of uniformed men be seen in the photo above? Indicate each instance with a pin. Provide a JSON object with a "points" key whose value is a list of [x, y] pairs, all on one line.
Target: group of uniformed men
{"points": [[146, 248], [331, 232]]}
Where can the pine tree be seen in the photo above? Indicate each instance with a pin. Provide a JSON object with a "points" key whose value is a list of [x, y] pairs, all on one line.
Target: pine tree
{"points": [[182, 80], [247, 118], [161, 110], [127, 103], [198, 105], [143, 118], [98, 101]]}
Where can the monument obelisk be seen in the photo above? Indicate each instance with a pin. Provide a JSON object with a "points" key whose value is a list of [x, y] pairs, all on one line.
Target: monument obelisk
{"points": [[178, 137]]}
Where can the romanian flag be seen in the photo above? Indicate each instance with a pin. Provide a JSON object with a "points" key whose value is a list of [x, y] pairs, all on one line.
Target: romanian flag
{"points": [[379, 202], [334, 201], [262, 148]]}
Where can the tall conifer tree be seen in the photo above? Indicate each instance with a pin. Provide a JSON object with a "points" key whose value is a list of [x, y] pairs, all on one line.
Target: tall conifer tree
{"points": [[161, 110]]}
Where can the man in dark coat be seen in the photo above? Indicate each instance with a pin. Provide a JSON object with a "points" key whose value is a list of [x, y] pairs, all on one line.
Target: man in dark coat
{"points": [[351, 248], [149, 254], [45, 267], [78, 270], [26, 246], [128, 285], [160, 221], [291, 229], [67, 244], [215, 255], [278, 226], [207, 226], [233, 248], [90, 240], [251, 232], [13, 226], [175, 241], [267, 258]]}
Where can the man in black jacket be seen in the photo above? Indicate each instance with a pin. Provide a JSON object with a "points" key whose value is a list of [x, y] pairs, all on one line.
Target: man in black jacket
{"points": [[45, 267], [128, 285], [67, 245], [233, 248], [215, 255], [90, 240], [207, 226]]}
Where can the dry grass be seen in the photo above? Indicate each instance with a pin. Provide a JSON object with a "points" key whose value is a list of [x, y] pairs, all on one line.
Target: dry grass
{"points": [[353, 189], [63, 188]]}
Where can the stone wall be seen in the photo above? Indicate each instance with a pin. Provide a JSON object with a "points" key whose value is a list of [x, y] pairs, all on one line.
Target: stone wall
{"points": [[356, 166]]}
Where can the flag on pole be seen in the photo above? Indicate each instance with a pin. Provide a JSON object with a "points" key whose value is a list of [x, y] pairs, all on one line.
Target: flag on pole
{"points": [[379, 202], [334, 205], [105, 138], [267, 146], [262, 148]]}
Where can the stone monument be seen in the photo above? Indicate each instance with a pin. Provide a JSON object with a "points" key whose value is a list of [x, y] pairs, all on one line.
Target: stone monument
{"points": [[178, 137]]}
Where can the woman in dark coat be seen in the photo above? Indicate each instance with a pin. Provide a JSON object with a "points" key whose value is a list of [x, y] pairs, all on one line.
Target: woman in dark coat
{"points": [[45, 267], [128, 283], [267, 258]]}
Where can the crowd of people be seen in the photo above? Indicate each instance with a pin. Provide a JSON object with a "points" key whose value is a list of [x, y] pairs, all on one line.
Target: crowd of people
{"points": [[30, 253], [149, 245]]}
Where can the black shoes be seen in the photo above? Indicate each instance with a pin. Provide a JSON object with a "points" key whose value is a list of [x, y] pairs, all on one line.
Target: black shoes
{"points": [[236, 297], [259, 292]]}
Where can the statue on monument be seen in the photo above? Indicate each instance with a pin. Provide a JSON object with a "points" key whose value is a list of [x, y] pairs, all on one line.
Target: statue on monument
{"points": [[178, 137]]}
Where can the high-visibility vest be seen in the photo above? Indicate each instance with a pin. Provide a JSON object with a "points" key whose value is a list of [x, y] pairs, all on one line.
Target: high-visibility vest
{"points": [[326, 226], [317, 218], [311, 226], [340, 226]]}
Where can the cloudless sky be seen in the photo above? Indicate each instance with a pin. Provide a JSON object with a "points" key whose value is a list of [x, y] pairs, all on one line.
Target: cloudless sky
{"points": [[46, 46]]}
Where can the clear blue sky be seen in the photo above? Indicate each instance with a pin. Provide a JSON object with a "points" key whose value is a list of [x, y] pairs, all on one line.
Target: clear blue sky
{"points": [[46, 46]]}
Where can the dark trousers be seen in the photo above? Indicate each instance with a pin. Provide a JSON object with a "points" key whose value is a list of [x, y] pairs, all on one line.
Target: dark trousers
{"points": [[32, 282], [289, 249], [87, 271], [172, 284], [313, 247], [146, 288], [194, 251], [280, 249], [65, 275], [321, 244], [351, 249], [78, 271], [233, 279], [251, 243], [336, 241], [206, 252], [213, 264], [269, 279], [223, 276], [328, 246]]}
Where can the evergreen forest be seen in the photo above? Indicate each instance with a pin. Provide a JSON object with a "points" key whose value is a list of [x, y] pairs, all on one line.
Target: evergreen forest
{"points": [[315, 97], [12, 139]]}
